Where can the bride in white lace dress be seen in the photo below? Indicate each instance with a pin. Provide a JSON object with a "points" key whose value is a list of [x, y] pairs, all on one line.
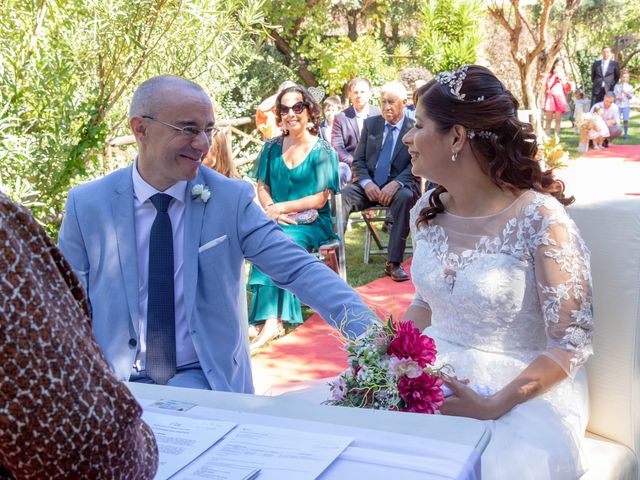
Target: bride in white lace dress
{"points": [[502, 277]]}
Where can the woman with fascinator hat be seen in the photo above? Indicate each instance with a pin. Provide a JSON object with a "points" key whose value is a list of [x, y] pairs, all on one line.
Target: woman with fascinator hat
{"points": [[295, 173], [502, 277]]}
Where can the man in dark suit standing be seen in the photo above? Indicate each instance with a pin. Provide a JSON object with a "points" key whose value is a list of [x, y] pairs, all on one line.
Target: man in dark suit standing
{"points": [[382, 173], [605, 73], [348, 125]]}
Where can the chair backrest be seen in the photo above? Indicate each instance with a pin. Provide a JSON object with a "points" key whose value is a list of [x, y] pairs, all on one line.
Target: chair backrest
{"points": [[611, 230]]}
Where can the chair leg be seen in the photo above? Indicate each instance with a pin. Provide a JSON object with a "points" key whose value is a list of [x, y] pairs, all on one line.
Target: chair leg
{"points": [[367, 245]]}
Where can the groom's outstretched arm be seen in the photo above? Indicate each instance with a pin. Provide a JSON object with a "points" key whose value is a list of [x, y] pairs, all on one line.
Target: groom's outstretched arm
{"points": [[291, 267]]}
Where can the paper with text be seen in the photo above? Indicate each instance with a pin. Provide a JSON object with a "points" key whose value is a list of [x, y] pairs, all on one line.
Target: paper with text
{"points": [[279, 453], [182, 439]]}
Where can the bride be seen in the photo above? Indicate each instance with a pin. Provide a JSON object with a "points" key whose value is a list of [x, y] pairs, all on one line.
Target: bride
{"points": [[502, 277]]}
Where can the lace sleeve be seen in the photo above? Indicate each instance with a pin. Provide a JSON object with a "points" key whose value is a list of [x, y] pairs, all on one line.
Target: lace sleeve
{"points": [[413, 218], [563, 279]]}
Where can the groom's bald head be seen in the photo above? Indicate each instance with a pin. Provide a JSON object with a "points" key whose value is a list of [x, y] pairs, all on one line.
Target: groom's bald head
{"points": [[152, 95]]}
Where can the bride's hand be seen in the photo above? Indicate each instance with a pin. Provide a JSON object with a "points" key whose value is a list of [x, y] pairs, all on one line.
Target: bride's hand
{"points": [[464, 402]]}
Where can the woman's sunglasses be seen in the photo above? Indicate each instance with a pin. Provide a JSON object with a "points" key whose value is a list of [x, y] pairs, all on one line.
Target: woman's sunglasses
{"points": [[297, 108]]}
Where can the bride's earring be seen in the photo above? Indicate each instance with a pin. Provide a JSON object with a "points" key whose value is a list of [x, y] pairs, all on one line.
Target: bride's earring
{"points": [[454, 156]]}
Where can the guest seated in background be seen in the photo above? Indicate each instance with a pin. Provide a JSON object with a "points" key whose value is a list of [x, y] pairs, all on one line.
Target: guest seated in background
{"points": [[623, 92], [331, 107], [296, 173], [611, 116], [64, 414], [502, 277], [266, 122], [220, 157], [348, 124], [382, 174]]}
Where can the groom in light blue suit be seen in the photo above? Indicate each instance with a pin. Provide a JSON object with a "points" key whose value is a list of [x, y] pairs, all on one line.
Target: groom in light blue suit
{"points": [[213, 225]]}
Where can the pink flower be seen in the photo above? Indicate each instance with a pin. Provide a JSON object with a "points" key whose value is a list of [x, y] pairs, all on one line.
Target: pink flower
{"points": [[410, 343], [339, 389], [405, 366], [422, 394]]}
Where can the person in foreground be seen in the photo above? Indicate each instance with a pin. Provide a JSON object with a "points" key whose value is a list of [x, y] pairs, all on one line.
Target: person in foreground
{"points": [[502, 277], [63, 413], [295, 174], [159, 247]]}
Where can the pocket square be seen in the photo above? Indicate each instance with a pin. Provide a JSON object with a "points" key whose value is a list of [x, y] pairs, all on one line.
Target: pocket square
{"points": [[212, 243]]}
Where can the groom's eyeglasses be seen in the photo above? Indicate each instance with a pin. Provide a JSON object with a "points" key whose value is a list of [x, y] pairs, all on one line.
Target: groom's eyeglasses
{"points": [[297, 108], [188, 131]]}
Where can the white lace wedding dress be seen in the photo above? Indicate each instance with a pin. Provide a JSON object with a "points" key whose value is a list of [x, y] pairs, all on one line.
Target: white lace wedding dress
{"points": [[504, 289]]}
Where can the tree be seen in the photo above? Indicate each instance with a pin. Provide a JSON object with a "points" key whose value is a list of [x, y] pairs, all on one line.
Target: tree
{"points": [[67, 69], [450, 35], [534, 43]]}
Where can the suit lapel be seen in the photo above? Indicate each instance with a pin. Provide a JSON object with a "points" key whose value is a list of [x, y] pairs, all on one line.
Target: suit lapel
{"points": [[378, 133], [353, 122], [124, 222], [193, 217], [405, 128]]}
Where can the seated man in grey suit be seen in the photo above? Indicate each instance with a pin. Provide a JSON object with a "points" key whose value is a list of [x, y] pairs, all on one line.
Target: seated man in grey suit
{"points": [[347, 126], [159, 247], [382, 173]]}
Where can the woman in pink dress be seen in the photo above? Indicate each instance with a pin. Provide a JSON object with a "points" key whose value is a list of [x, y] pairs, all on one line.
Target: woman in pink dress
{"points": [[555, 102]]}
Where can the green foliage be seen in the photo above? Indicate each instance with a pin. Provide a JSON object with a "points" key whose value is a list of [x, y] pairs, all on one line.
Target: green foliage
{"points": [[552, 153], [68, 68], [338, 60], [450, 34]]}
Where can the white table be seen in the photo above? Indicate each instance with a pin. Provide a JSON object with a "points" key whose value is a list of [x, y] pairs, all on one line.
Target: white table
{"points": [[385, 431]]}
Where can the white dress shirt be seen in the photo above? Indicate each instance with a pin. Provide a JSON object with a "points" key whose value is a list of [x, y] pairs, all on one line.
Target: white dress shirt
{"points": [[145, 214], [605, 66], [396, 134], [361, 116]]}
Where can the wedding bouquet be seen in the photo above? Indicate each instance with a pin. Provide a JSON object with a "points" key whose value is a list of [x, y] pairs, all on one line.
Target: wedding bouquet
{"points": [[390, 368]]}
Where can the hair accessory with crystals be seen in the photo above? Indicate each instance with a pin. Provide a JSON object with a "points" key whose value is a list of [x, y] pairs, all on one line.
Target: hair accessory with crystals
{"points": [[481, 133], [453, 80], [317, 93]]}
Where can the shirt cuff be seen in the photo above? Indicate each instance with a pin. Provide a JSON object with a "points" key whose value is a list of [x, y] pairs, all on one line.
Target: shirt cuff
{"points": [[365, 182]]}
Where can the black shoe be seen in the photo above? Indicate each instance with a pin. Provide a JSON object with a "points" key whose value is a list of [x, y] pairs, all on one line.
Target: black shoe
{"points": [[396, 272], [605, 144]]}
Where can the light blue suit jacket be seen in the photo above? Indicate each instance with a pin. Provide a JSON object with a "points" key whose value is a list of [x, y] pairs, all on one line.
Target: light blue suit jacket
{"points": [[98, 239]]}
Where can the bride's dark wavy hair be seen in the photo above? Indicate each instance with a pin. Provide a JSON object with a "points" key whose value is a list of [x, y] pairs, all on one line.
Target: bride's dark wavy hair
{"points": [[508, 156]]}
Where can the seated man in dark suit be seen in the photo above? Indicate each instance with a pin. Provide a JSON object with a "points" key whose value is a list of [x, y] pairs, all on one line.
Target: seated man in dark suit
{"points": [[347, 126], [382, 173]]}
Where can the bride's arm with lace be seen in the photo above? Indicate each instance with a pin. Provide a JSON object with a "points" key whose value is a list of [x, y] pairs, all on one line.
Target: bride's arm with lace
{"points": [[563, 281]]}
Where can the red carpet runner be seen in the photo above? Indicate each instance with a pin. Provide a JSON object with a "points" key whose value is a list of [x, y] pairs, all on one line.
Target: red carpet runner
{"points": [[312, 351]]}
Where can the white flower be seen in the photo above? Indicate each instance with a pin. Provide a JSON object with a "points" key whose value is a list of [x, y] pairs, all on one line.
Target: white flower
{"points": [[201, 191]]}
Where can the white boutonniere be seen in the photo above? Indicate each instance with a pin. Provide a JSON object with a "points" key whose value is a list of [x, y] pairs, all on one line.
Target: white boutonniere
{"points": [[200, 190]]}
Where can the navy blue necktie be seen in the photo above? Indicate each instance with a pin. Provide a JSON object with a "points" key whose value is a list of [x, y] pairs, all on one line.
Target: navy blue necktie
{"points": [[383, 167], [161, 320]]}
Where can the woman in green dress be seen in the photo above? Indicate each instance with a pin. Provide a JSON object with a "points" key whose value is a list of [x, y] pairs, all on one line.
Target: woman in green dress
{"points": [[296, 173]]}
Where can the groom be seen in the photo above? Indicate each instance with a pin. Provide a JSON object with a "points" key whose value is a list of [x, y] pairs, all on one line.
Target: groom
{"points": [[160, 246]]}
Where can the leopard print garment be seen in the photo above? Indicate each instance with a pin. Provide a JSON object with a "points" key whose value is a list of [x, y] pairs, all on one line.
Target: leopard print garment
{"points": [[63, 414]]}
